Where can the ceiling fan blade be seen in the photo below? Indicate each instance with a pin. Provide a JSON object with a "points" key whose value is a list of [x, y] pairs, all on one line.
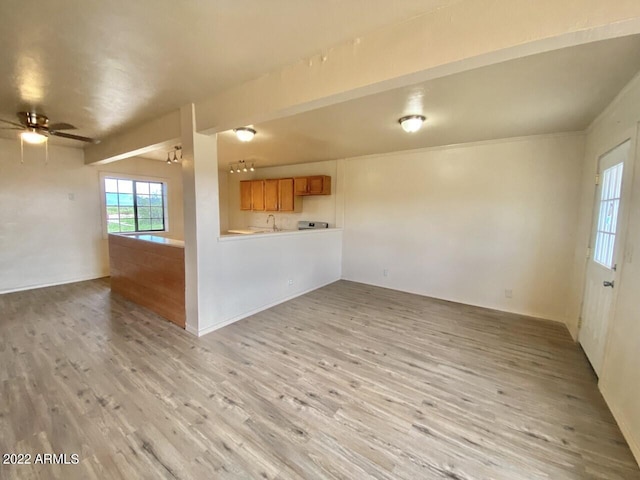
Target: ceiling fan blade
{"points": [[15, 124], [75, 137], [61, 126], [11, 128]]}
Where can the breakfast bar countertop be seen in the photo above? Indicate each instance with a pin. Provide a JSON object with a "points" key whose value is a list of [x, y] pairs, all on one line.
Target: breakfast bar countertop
{"points": [[172, 242]]}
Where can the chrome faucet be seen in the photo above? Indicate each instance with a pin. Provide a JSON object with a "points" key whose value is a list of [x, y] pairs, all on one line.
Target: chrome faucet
{"points": [[275, 229]]}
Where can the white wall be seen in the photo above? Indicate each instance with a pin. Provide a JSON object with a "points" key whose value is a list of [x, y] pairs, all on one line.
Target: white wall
{"points": [[464, 223], [237, 276], [320, 208], [620, 377], [46, 237], [252, 272]]}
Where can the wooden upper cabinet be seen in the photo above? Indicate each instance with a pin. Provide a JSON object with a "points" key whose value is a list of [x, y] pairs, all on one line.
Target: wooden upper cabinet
{"points": [[279, 195], [287, 199], [252, 195], [271, 195], [257, 195], [245, 195], [301, 185], [319, 185], [314, 185]]}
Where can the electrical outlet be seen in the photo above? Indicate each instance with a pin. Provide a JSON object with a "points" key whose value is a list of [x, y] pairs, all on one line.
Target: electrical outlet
{"points": [[71, 196], [508, 293], [290, 281], [385, 272]]}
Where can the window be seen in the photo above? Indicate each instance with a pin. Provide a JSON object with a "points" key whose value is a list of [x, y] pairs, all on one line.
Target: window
{"points": [[608, 216], [134, 206]]}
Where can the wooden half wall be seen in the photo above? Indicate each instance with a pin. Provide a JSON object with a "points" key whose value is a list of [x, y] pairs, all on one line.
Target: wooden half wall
{"points": [[150, 273]]}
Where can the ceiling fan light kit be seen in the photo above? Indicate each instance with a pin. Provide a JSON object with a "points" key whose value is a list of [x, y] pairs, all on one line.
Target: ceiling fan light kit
{"points": [[35, 128], [33, 137]]}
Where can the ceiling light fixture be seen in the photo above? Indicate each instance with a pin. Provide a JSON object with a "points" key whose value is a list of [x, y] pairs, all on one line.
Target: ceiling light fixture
{"points": [[412, 123], [33, 136], [242, 166], [244, 134], [172, 155]]}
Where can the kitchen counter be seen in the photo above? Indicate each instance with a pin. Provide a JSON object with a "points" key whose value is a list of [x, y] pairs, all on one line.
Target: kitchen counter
{"points": [[235, 234], [156, 239]]}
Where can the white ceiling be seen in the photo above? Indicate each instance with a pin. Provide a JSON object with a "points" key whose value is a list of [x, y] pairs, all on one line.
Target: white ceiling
{"points": [[559, 91], [106, 65]]}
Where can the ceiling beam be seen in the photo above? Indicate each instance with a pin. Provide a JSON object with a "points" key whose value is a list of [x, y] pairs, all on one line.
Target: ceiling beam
{"points": [[466, 35], [163, 132], [449, 40]]}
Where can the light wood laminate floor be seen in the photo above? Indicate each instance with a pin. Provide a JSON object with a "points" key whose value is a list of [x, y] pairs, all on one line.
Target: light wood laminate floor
{"points": [[349, 381]]}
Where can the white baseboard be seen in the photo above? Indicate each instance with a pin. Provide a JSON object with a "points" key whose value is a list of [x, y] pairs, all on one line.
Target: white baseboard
{"points": [[538, 316], [192, 330], [634, 444], [84, 278], [224, 323]]}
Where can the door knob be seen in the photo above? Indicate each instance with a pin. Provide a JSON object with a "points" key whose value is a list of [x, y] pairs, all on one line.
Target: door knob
{"points": [[608, 284]]}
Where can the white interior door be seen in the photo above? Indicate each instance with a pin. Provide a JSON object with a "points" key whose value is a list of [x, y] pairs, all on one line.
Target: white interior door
{"points": [[606, 245]]}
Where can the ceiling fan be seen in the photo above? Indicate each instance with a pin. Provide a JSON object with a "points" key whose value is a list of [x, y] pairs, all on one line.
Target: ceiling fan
{"points": [[36, 129]]}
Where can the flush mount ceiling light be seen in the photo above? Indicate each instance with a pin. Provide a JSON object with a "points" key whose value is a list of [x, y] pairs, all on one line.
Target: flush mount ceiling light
{"points": [[244, 134], [412, 123], [32, 136]]}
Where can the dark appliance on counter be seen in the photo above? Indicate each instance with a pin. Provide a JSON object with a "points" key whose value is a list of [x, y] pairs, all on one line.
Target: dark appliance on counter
{"points": [[306, 225]]}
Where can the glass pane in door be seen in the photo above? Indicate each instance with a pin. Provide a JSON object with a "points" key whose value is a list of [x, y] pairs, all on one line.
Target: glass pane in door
{"points": [[608, 215]]}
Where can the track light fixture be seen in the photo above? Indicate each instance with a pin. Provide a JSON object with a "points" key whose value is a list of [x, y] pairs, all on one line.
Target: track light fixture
{"points": [[242, 166], [172, 155]]}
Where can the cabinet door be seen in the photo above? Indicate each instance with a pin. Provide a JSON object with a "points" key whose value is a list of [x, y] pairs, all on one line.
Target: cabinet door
{"points": [[245, 195], [319, 185], [301, 186], [271, 195], [257, 195], [286, 195]]}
